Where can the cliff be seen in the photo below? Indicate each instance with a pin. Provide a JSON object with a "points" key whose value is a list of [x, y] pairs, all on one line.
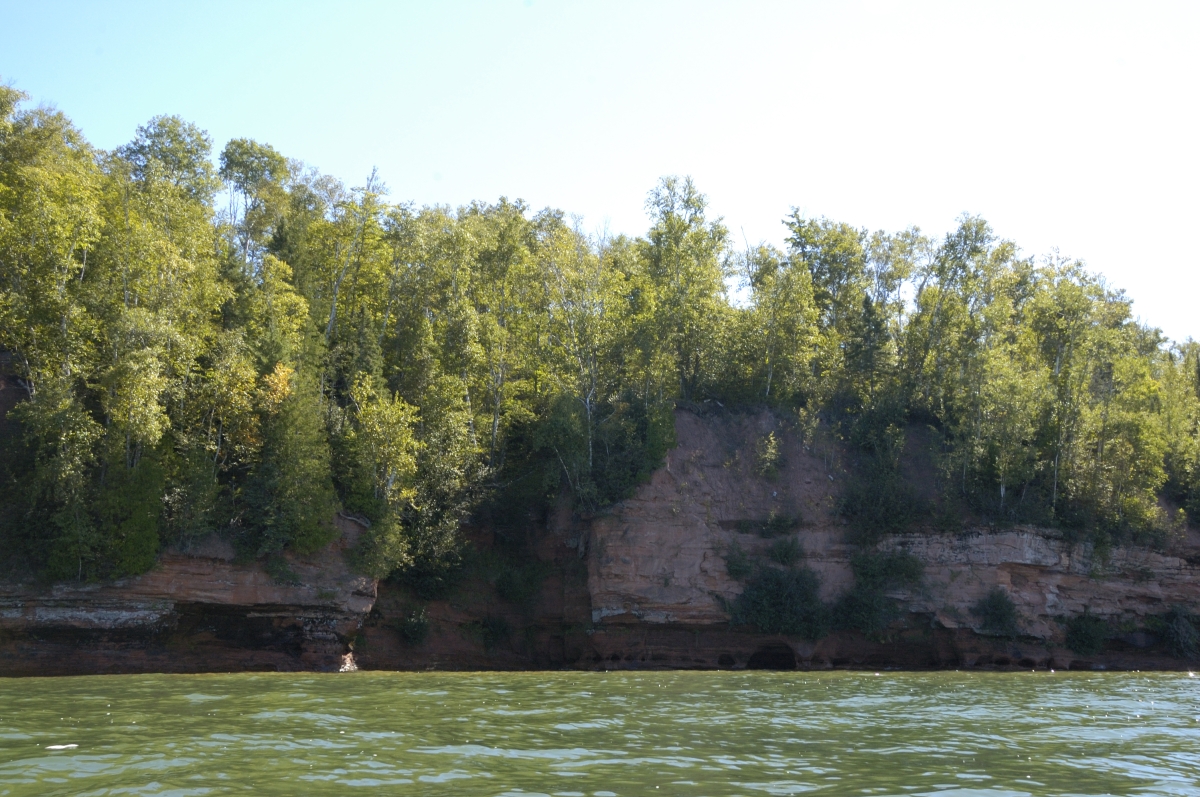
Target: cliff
{"points": [[198, 610], [656, 569], [645, 584]]}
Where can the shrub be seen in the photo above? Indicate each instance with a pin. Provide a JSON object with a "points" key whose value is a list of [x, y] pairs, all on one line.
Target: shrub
{"points": [[771, 526], [785, 551], [879, 502], [521, 585], [737, 563], [767, 457], [279, 571], [1181, 636], [495, 630], [431, 579], [866, 608], [1086, 634], [882, 571], [782, 602], [997, 613], [413, 627]]}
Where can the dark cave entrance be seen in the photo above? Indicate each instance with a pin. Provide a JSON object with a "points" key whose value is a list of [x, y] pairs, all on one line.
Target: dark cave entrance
{"points": [[773, 657]]}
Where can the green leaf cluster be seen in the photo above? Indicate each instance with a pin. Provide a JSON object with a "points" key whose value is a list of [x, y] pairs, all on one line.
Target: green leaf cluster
{"points": [[240, 345]]}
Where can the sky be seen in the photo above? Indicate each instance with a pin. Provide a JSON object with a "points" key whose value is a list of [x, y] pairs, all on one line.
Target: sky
{"points": [[1071, 127]]}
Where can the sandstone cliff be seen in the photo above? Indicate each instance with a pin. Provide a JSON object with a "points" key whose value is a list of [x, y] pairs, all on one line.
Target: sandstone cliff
{"points": [[197, 610], [645, 584], [656, 567]]}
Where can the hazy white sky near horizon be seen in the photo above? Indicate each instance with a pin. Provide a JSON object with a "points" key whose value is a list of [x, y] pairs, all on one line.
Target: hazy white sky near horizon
{"points": [[1067, 125]]}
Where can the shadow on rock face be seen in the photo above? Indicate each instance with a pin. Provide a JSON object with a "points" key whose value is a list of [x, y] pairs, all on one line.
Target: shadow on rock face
{"points": [[772, 657]]}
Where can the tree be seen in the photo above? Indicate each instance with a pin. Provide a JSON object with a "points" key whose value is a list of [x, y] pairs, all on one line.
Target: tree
{"points": [[257, 176], [683, 255], [291, 500], [782, 322], [176, 150], [387, 453]]}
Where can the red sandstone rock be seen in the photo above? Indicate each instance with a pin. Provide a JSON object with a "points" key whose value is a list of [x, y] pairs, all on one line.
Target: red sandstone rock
{"points": [[195, 610], [641, 585]]}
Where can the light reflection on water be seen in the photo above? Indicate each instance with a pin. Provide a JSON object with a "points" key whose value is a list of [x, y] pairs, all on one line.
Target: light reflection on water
{"points": [[597, 734]]}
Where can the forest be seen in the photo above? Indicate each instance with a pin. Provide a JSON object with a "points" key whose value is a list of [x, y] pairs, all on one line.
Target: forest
{"points": [[234, 343]]}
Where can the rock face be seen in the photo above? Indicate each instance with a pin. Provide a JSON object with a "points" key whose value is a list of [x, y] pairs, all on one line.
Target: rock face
{"points": [[659, 556], [195, 611], [643, 585], [657, 572]]}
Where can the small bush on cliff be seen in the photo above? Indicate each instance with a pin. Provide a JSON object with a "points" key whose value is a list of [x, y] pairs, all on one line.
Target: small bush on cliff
{"points": [[782, 602], [868, 611], [785, 551], [878, 502], [771, 526], [767, 457], [521, 585], [997, 613], [737, 563], [866, 607], [1182, 638], [432, 579], [886, 570], [1086, 634], [495, 631], [413, 627], [279, 571]]}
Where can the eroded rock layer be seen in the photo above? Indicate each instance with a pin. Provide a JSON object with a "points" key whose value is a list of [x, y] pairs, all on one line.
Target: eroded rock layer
{"points": [[659, 583], [646, 584], [196, 611]]}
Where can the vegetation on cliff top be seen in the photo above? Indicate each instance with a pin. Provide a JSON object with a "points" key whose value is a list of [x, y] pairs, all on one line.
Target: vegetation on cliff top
{"points": [[246, 346]]}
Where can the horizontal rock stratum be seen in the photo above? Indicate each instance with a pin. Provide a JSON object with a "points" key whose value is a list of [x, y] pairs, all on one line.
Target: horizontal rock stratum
{"points": [[644, 584]]}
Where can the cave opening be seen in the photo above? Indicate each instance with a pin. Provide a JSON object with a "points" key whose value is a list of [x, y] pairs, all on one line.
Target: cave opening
{"points": [[777, 656]]}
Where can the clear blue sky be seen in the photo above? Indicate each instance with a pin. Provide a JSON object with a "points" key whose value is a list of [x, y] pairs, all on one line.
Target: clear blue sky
{"points": [[1068, 125]]}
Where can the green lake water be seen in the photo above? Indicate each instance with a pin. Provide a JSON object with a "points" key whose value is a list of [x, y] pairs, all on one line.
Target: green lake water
{"points": [[571, 733]]}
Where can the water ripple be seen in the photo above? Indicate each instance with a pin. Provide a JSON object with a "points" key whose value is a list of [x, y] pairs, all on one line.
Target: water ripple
{"points": [[617, 734]]}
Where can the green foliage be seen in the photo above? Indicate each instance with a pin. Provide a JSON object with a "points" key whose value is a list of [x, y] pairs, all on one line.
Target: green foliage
{"points": [[128, 509], [782, 602], [380, 460], [604, 465], [683, 261], [431, 579], [997, 613], [865, 610], [280, 571], [1086, 634], [880, 571], [291, 500], [178, 151], [193, 504], [772, 526], [494, 631], [521, 585], [1181, 636], [877, 501], [244, 365], [737, 562], [866, 607], [413, 627], [785, 551], [382, 548], [767, 457]]}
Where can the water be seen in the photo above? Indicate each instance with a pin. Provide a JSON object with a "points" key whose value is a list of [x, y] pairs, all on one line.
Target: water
{"points": [[671, 733]]}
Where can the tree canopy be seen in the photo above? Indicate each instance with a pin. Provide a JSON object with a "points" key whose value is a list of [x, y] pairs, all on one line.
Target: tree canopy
{"points": [[245, 350]]}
